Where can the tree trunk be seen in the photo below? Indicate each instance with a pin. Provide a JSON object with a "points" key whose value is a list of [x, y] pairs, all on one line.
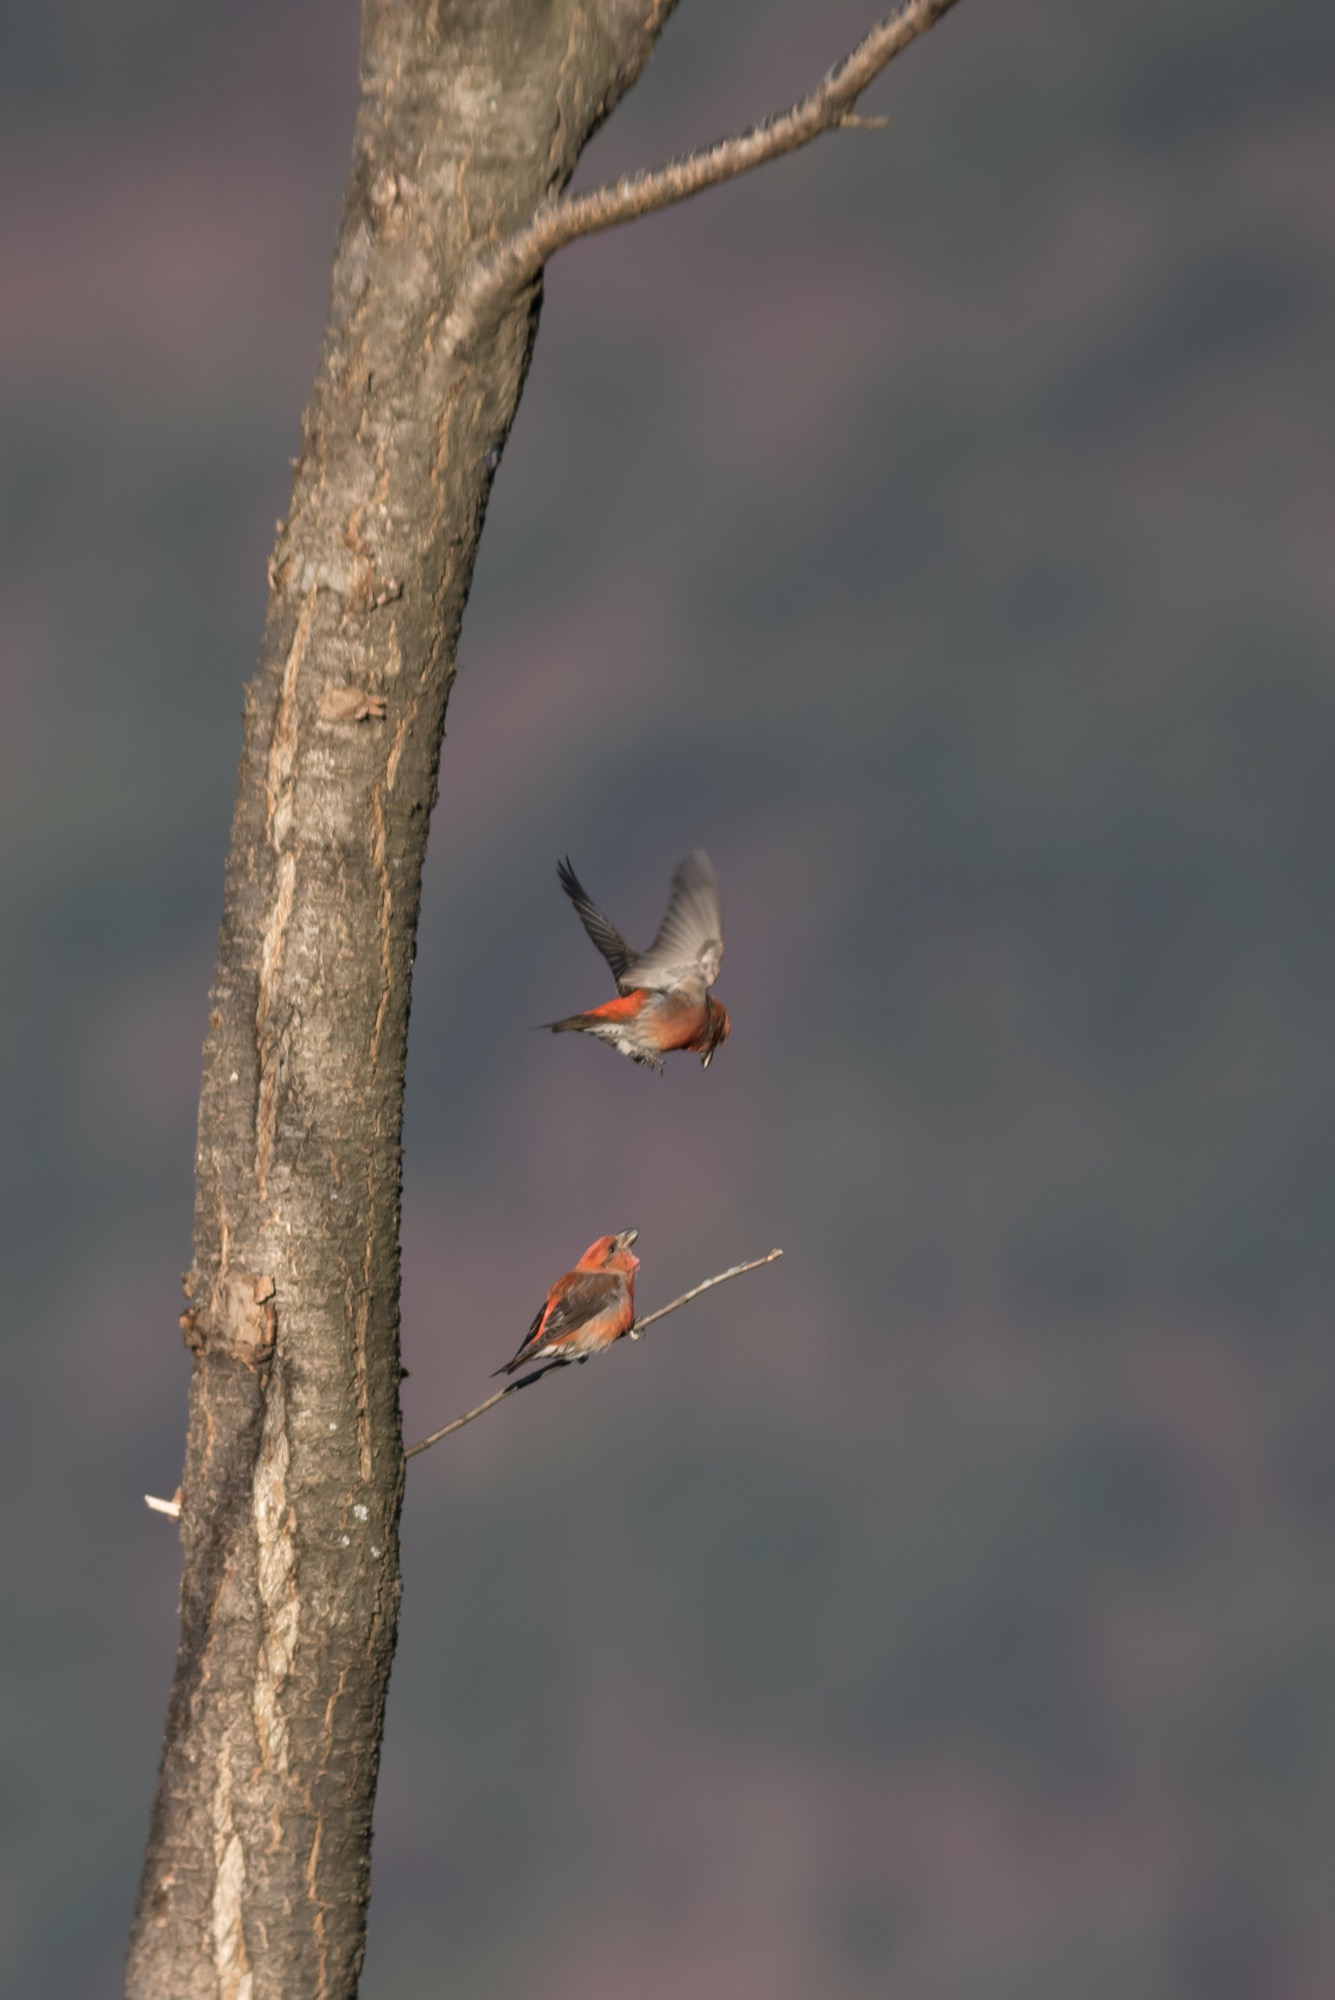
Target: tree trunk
{"points": [[256, 1877]]}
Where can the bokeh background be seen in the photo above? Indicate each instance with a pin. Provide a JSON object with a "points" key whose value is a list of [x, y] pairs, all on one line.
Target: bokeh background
{"points": [[940, 528]]}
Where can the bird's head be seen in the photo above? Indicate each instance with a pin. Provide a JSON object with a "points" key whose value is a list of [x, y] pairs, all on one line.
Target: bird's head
{"points": [[717, 1027], [611, 1253]]}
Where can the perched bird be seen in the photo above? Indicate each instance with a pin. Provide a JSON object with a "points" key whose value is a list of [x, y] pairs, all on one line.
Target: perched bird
{"points": [[663, 1000], [587, 1309]]}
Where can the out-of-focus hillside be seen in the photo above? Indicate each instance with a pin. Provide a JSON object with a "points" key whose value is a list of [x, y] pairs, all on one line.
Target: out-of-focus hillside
{"points": [[937, 527]]}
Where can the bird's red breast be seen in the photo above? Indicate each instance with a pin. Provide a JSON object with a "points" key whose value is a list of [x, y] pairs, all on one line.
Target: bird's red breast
{"points": [[587, 1308], [647, 1024]]}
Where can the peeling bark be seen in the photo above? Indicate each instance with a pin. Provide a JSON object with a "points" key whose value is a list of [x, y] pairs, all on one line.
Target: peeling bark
{"points": [[256, 1876]]}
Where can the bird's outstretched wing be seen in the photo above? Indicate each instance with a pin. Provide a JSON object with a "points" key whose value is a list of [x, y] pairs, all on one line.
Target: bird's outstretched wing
{"points": [[689, 944], [603, 932]]}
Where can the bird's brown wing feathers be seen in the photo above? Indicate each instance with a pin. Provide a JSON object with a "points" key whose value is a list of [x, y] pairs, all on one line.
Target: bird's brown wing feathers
{"points": [[591, 1292], [587, 1294], [689, 944], [603, 932]]}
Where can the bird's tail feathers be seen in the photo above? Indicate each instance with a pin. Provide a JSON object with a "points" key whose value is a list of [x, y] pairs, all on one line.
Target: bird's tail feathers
{"points": [[528, 1358]]}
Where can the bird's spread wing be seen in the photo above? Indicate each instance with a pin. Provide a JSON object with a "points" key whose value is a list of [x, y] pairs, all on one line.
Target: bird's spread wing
{"points": [[604, 934], [588, 1294], [689, 944]]}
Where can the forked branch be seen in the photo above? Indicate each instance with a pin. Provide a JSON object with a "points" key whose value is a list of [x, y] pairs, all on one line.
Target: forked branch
{"points": [[525, 1381], [497, 279]]}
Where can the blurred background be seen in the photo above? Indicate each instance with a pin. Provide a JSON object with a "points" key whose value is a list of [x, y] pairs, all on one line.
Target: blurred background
{"points": [[939, 528]]}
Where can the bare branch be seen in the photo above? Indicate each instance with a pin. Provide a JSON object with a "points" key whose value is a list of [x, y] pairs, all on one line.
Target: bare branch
{"points": [[480, 1409], [734, 1271], [633, 1333], [497, 279]]}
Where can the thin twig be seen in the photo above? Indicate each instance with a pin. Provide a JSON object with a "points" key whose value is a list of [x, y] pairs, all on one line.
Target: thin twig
{"points": [[480, 1410], [499, 278], [735, 1271], [633, 1333]]}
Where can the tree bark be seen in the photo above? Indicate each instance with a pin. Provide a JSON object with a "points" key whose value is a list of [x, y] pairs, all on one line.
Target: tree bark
{"points": [[256, 1876]]}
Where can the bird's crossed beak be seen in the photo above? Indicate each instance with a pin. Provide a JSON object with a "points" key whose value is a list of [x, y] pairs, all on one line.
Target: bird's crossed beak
{"points": [[626, 1238]]}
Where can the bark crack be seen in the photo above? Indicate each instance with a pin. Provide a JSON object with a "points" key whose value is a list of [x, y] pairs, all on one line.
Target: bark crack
{"points": [[360, 1324], [280, 775], [271, 1047], [276, 1574], [227, 1933], [384, 916], [396, 746], [317, 1918]]}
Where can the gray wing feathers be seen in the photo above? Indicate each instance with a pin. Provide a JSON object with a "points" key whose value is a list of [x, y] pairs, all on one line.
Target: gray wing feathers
{"points": [[603, 932], [689, 944]]}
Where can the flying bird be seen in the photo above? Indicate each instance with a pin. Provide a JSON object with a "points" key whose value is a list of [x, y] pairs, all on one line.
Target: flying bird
{"points": [[663, 1000], [587, 1309]]}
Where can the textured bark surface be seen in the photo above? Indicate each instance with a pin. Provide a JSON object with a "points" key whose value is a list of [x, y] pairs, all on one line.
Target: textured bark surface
{"points": [[257, 1871]]}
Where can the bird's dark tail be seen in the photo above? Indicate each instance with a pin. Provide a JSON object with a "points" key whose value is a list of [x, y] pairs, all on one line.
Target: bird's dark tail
{"points": [[573, 1024], [524, 1359]]}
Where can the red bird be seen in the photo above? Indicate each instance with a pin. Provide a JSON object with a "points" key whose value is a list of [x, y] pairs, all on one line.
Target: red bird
{"points": [[587, 1309], [663, 1000]]}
